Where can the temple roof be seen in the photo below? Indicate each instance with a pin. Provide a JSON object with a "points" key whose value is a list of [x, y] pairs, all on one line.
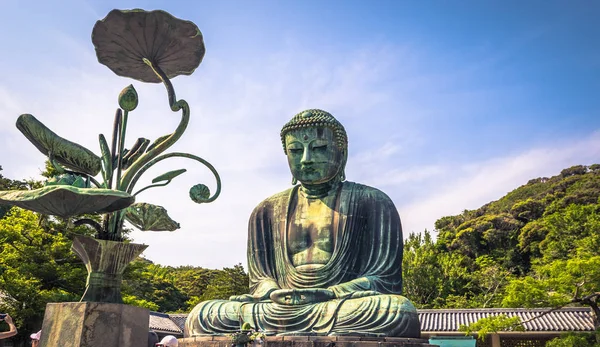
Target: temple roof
{"points": [[162, 322], [564, 319]]}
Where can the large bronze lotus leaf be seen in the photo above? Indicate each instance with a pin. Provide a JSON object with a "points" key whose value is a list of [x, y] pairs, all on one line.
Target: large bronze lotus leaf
{"points": [[124, 38], [148, 217], [63, 151], [66, 201]]}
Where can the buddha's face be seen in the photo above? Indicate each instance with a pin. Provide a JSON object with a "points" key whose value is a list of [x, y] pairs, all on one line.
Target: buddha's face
{"points": [[313, 154]]}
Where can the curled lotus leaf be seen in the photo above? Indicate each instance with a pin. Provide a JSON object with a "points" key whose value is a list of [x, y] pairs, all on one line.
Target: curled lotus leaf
{"points": [[168, 175], [66, 201], [123, 39], [64, 152], [199, 193], [148, 217]]}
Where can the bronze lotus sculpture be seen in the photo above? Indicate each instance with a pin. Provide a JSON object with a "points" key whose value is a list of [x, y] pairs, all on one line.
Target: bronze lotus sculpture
{"points": [[149, 46]]}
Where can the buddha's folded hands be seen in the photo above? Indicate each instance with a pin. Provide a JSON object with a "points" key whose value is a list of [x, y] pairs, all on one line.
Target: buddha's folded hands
{"points": [[362, 294], [249, 298], [301, 296]]}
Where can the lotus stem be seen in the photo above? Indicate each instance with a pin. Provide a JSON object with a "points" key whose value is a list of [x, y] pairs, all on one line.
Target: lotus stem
{"points": [[91, 223], [182, 155], [93, 180], [122, 131], [126, 181], [113, 148], [152, 186]]}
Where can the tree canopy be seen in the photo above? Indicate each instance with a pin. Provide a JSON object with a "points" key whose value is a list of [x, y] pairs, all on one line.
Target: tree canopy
{"points": [[38, 267]]}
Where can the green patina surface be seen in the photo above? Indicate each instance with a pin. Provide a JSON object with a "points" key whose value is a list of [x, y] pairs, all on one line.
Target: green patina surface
{"points": [[148, 217], [324, 257]]}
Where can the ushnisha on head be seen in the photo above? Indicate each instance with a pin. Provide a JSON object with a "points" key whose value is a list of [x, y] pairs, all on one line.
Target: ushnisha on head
{"points": [[316, 145], [316, 118]]}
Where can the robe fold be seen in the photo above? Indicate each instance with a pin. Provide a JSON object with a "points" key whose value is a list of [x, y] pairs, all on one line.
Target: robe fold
{"points": [[364, 272]]}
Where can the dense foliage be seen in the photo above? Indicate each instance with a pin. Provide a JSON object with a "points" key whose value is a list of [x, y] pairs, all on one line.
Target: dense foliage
{"points": [[538, 246], [37, 267]]}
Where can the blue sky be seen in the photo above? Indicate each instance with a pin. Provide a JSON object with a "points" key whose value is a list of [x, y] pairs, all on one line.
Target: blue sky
{"points": [[448, 104]]}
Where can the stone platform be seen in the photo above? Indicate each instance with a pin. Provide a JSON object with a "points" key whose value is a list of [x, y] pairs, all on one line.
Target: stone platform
{"points": [[310, 341], [94, 324]]}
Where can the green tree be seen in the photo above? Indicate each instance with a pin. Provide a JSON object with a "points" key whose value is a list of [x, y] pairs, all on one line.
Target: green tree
{"points": [[227, 282], [421, 273], [434, 278], [152, 286], [568, 229], [574, 340], [8, 184], [193, 280], [36, 267]]}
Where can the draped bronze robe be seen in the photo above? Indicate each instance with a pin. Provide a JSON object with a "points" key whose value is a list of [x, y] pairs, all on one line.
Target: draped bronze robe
{"points": [[365, 272]]}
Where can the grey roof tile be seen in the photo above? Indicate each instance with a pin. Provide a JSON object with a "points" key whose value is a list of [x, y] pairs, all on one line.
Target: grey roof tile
{"points": [[162, 322], [564, 319], [179, 319]]}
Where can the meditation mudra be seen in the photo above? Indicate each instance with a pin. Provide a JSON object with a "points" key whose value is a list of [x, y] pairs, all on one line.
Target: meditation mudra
{"points": [[325, 256]]}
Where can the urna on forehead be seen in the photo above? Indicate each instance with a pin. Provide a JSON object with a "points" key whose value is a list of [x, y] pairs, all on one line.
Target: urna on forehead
{"points": [[315, 118]]}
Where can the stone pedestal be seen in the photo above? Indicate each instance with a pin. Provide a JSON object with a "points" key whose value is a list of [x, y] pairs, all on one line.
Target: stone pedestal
{"points": [[310, 341], [94, 324]]}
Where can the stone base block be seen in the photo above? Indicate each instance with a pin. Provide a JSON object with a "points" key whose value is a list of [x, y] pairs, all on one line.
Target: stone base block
{"points": [[94, 324], [310, 341]]}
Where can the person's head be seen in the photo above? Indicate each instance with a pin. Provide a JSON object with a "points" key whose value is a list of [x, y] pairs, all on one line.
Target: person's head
{"points": [[168, 341], [316, 145], [35, 338], [152, 338]]}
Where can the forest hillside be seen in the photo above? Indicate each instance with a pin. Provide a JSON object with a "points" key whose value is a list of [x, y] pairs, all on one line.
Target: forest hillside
{"points": [[538, 246]]}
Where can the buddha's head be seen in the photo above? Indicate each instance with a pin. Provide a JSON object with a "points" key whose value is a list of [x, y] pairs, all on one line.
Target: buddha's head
{"points": [[316, 146]]}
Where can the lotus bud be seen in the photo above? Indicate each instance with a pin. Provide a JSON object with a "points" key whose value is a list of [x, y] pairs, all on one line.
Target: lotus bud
{"points": [[128, 99], [199, 193]]}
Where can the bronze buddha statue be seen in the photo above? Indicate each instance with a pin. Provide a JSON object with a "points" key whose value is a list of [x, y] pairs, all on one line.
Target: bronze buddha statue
{"points": [[325, 256]]}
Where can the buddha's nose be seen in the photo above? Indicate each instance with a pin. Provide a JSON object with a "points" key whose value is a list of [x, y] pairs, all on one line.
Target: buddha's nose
{"points": [[306, 156]]}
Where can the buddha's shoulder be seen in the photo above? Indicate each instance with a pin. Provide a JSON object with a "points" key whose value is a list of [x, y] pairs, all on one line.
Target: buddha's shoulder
{"points": [[365, 190], [275, 199]]}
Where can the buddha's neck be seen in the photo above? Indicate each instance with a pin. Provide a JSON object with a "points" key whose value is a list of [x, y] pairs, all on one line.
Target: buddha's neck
{"points": [[315, 191]]}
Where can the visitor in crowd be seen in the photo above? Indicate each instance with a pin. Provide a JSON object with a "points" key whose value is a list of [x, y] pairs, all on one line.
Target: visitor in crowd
{"points": [[168, 341], [35, 339], [152, 338], [11, 326]]}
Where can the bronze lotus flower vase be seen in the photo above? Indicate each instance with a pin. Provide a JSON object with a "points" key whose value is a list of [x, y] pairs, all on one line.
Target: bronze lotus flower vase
{"points": [[105, 262]]}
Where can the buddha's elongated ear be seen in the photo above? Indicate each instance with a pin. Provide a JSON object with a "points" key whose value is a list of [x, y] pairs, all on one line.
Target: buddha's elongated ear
{"points": [[294, 180], [343, 169]]}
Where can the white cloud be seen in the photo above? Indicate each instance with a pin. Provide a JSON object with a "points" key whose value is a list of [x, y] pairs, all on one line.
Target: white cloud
{"points": [[469, 186]]}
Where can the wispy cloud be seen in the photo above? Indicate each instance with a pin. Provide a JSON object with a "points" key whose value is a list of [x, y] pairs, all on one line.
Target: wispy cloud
{"points": [[470, 185]]}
